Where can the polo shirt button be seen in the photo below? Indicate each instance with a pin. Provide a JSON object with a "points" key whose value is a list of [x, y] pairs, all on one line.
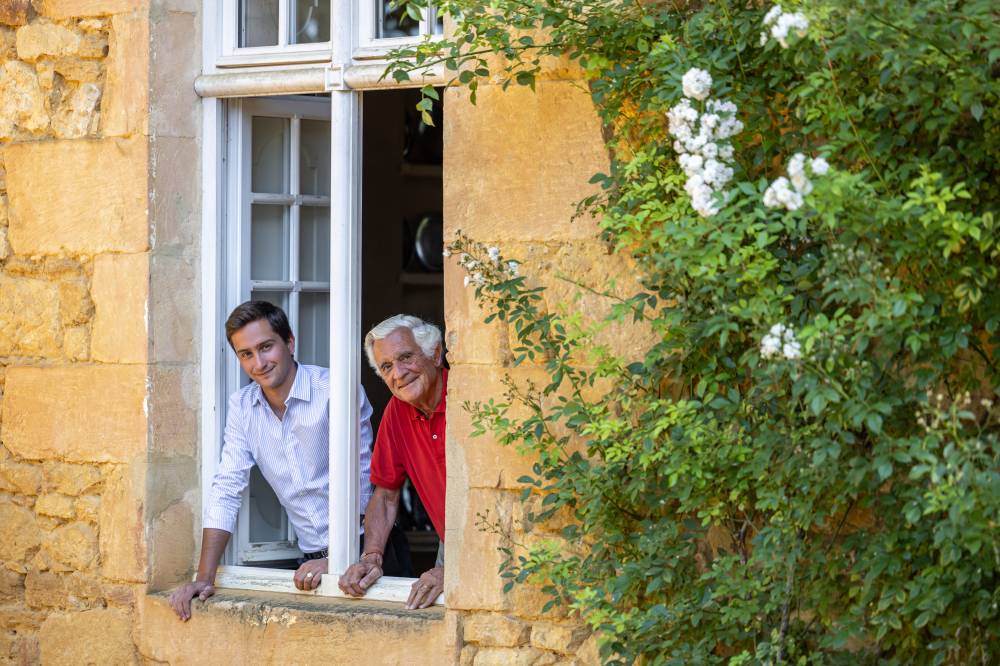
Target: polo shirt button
{"points": [[434, 436]]}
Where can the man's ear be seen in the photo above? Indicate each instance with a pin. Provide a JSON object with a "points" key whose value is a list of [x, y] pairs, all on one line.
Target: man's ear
{"points": [[438, 356], [291, 345]]}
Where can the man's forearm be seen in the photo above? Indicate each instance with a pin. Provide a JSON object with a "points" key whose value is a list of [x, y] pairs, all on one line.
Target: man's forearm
{"points": [[379, 518], [213, 544]]}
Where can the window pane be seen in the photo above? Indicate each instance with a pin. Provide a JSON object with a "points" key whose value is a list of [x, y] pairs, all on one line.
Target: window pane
{"points": [[314, 244], [311, 22], [314, 158], [313, 340], [279, 298], [268, 242], [268, 171], [265, 511], [394, 21], [258, 22]]}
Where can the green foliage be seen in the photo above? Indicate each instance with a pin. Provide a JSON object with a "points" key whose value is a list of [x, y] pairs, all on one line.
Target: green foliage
{"points": [[834, 504]]}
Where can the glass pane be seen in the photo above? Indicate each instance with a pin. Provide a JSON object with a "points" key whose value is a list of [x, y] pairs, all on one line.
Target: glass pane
{"points": [[268, 242], [279, 298], [258, 22], [313, 341], [311, 22], [394, 21], [314, 244], [266, 522], [314, 158], [270, 155]]}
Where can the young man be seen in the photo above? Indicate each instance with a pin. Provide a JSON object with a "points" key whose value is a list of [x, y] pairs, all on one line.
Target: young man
{"points": [[279, 422], [406, 353]]}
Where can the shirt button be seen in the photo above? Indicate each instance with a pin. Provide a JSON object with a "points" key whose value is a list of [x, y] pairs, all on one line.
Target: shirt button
{"points": [[434, 436]]}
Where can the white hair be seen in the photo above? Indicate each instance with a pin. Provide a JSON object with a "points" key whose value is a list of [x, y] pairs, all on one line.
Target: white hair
{"points": [[428, 336]]}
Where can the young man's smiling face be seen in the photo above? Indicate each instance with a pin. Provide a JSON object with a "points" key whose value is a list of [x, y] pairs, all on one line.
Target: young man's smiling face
{"points": [[264, 356], [410, 375]]}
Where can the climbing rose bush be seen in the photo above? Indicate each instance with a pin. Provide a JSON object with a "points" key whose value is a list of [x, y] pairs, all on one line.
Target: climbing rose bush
{"points": [[804, 466]]}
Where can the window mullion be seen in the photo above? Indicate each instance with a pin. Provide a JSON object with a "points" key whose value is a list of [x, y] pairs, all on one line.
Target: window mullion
{"points": [[283, 22]]}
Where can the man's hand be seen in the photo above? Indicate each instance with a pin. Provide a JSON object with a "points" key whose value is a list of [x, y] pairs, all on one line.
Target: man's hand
{"points": [[180, 599], [359, 577], [426, 589], [310, 573]]}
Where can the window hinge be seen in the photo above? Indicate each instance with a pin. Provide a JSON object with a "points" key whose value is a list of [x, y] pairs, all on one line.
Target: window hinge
{"points": [[335, 77]]}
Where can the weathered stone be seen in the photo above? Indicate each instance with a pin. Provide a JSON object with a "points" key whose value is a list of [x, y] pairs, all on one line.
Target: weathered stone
{"points": [[19, 648], [65, 9], [20, 618], [496, 630], [173, 409], [76, 343], [119, 288], [124, 111], [173, 313], [97, 206], [93, 24], [73, 546], [172, 547], [505, 656], [44, 589], [77, 116], [4, 245], [468, 655], [56, 506], [18, 535], [98, 636], [471, 577], [93, 45], [46, 72], [122, 526], [23, 478], [173, 103], [72, 69], [52, 413], [11, 586], [75, 306], [558, 637], [122, 595], [175, 197], [29, 318], [8, 43], [70, 479], [22, 100], [14, 12], [51, 39], [86, 508]]}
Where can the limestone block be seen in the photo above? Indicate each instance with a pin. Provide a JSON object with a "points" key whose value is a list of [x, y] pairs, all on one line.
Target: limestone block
{"points": [[468, 655], [76, 343], [75, 305], [172, 548], [86, 508], [175, 199], [70, 479], [4, 245], [122, 526], [41, 39], [51, 413], [56, 506], [73, 69], [64, 9], [44, 589], [122, 595], [99, 636], [22, 100], [29, 318], [46, 74], [119, 289], [93, 45], [558, 637], [18, 535], [73, 546], [8, 43], [125, 108], [11, 585], [14, 12], [173, 409], [473, 559], [97, 206], [19, 648], [23, 478], [174, 105], [494, 629], [174, 314], [77, 116], [527, 188], [505, 656], [20, 618]]}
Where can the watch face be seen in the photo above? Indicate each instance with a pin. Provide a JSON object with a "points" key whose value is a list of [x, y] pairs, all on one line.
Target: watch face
{"points": [[429, 242]]}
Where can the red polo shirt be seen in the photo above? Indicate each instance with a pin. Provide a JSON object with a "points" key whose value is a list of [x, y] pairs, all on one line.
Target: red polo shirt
{"points": [[410, 445]]}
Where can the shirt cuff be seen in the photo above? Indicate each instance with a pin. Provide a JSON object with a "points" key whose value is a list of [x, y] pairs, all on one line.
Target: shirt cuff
{"points": [[219, 519], [386, 483]]}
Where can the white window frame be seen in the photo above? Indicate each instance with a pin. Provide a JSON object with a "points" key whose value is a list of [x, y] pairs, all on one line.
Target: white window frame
{"points": [[345, 298]]}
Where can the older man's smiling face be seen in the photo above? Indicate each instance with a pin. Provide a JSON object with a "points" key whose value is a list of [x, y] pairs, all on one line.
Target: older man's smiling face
{"points": [[410, 375]]}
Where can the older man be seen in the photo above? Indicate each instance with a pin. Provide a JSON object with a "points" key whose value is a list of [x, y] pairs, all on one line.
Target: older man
{"points": [[406, 353]]}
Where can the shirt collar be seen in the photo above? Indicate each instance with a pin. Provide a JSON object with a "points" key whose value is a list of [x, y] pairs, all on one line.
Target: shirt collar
{"points": [[440, 409], [301, 387]]}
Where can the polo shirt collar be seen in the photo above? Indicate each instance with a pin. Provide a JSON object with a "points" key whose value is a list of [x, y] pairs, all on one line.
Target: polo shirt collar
{"points": [[301, 387], [440, 409]]}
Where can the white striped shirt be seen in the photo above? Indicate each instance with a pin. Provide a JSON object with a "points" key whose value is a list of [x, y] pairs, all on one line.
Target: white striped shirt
{"points": [[292, 454]]}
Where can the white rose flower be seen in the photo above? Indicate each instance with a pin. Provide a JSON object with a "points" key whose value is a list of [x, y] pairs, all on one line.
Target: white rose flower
{"points": [[697, 83], [494, 254], [819, 166]]}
